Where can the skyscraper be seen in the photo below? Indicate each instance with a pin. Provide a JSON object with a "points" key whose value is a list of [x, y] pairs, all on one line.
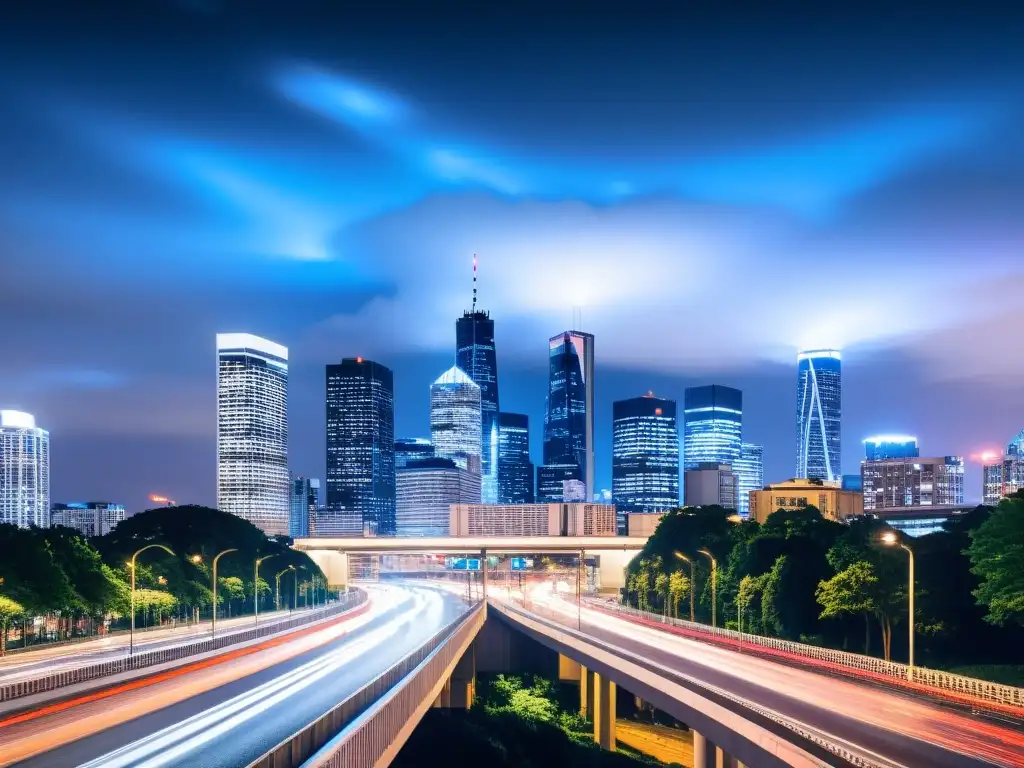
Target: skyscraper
{"points": [[426, 489], [711, 484], [90, 518], [560, 483], [412, 449], [475, 354], [455, 418], [890, 447], [515, 470], [24, 471], [750, 470], [361, 445], [305, 501], [819, 410], [1004, 475], [713, 424], [569, 420], [912, 482], [252, 430], [645, 455]]}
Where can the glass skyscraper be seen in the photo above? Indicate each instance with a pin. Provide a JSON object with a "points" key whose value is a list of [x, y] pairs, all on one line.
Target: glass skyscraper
{"points": [[749, 467], [455, 415], [560, 483], [819, 410], [1004, 475], [475, 354], [645, 455], [252, 431], [24, 471], [890, 447], [426, 489], [412, 449], [569, 420], [361, 445], [305, 503], [912, 482], [712, 427], [515, 470]]}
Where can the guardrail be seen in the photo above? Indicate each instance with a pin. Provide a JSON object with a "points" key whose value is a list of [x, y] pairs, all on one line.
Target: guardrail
{"points": [[996, 693], [372, 723], [151, 658]]}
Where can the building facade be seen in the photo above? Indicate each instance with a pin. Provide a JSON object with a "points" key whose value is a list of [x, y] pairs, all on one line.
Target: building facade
{"points": [[749, 469], [426, 489], [828, 497], [912, 482], [883, 447], [711, 484], [515, 470], [819, 411], [306, 499], [24, 471], [532, 520], [645, 455], [252, 431], [1004, 475], [560, 483], [712, 425], [475, 354], [360, 446], [569, 418], [455, 418], [90, 518], [412, 449]]}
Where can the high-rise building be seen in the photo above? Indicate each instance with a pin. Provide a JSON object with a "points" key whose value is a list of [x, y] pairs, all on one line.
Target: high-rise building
{"points": [[560, 483], [749, 468], [515, 470], [305, 501], [819, 410], [475, 354], [711, 484], [578, 519], [912, 482], [24, 471], [645, 455], [252, 431], [455, 418], [1004, 475], [712, 425], [890, 447], [426, 489], [412, 449], [569, 419], [360, 447], [90, 518]]}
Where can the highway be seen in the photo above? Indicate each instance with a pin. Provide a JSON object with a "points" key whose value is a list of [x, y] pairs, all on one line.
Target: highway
{"points": [[227, 714], [902, 730]]}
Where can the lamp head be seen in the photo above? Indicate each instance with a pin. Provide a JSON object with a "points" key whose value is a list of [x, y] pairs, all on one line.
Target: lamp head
{"points": [[196, 559], [889, 538]]}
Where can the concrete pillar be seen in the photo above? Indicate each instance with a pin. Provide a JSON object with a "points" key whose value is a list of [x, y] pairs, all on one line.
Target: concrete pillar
{"points": [[704, 752], [444, 698], [462, 685], [586, 692], [568, 670], [483, 569], [604, 712], [725, 760]]}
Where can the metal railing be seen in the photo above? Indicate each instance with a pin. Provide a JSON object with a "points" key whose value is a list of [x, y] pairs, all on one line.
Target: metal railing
{"points": [[1006, 695], [367, 724], [348, 601]]}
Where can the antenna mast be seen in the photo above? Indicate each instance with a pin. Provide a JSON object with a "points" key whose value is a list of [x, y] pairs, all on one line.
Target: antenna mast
{"points": [[474, 283]]}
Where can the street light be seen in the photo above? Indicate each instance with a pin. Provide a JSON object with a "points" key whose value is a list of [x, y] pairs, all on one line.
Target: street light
{"points": [[131, 565], [256, 588], [891, 539], [689, 562], [198, 559], [277, 587], [714, 585]]}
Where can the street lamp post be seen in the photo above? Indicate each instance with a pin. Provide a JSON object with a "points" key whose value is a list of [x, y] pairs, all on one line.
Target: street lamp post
{"points": [[131, 565], [689, 562], [714, 585], [277, 587], [256, 588], [213, 618], [892, 539]]}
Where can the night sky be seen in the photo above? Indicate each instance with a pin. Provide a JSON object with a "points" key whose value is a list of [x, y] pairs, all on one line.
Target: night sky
{"points": [[715, 186]]}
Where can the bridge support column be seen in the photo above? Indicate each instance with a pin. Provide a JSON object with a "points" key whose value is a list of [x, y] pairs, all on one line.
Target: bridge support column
{"points": [[586, 692], [463, 681], [568, 670], [483, 569], [604, 712], [704, 752]]}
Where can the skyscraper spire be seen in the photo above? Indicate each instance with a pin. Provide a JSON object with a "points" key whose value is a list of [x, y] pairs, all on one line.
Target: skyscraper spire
{"points": [[474, 283]]}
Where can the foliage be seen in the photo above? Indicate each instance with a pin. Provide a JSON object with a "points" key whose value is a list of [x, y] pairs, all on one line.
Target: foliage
{"points": [[678, 589], [997, 557], [9, 609]]}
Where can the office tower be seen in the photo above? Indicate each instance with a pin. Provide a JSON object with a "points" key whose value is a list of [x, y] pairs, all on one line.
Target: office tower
{"points": [[1004, 475], [912, 482], [712, 425], [305, 501], [455, 418], [819, 409], [24, 471], [90, 518], [576, 519], [515, 470], [360, 447], [569, 419], [560, 483], [645, 455], [252, 430], [412, 449], [425, 491], [710, 484], [827, 497], [890, 447], [749, 468]]}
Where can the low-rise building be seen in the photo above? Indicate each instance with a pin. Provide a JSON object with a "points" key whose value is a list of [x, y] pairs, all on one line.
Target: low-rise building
{"points": [[90, 518], [798, 493], [711, 484], [642, 524], [579, 519]]}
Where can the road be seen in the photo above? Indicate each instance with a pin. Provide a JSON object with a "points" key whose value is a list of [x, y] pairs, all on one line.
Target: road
{"points": [[903, 730], [228, 714]]}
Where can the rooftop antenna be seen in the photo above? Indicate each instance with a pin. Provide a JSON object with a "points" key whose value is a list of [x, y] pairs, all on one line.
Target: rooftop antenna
{"points": [[474, 283]]}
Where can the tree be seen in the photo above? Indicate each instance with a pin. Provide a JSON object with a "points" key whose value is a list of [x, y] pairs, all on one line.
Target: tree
{"points": [[851, 591], [230, 588], [749, 592], [997, 557], [155, 600], [9, 609], [678, 588]]}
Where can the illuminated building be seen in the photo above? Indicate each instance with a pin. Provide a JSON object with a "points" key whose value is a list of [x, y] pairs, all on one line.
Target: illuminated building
{"points": [[532, 520], [920, 521], [90, 518], [569, 419], [360, 448], [1004, 475], [305, 501], [455, 418], [827, 497], [426, 489], [749, 468], [645, 455], [890, 447], [710, 484], [819, 401], [252, 431], [24, 471], [560, 483], [515, 470], [475, 355], [912, 482], [852, 483], [412, 449], [712, 425]]}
